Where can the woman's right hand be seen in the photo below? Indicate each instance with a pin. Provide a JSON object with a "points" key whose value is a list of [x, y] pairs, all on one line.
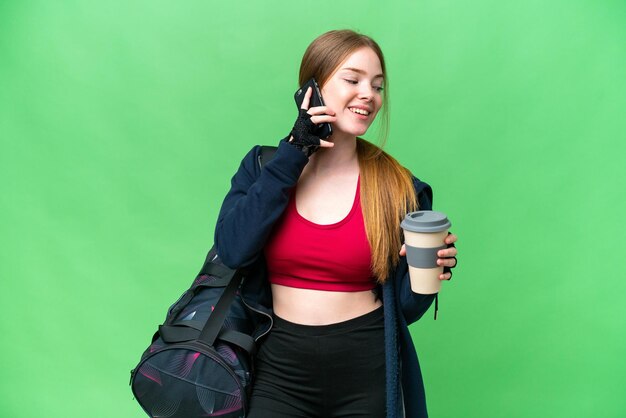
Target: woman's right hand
{"points": [[303, 133]]}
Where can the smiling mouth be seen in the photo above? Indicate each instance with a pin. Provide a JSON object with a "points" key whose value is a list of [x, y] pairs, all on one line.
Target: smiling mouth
{"points": [[359, 111]]}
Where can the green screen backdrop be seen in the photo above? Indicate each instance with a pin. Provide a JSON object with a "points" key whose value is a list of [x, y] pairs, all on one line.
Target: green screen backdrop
{"points": [[121, 124]]}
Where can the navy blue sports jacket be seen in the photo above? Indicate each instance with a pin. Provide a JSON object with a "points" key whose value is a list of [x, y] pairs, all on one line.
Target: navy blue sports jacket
{"points": [[256, 200]]}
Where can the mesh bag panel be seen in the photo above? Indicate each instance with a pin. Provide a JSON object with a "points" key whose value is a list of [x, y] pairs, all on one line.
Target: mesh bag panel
{"points": [[198, 385]]}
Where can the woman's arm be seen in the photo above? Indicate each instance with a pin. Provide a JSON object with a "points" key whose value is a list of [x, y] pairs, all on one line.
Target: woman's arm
{"points": [[255, 201]]}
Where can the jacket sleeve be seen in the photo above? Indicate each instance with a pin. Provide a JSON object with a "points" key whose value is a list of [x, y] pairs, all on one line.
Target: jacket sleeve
{"points": [[414, 305], [255, 201]]}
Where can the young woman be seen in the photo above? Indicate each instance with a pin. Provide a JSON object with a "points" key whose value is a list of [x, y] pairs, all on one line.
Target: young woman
{"points": [[319, 229]]}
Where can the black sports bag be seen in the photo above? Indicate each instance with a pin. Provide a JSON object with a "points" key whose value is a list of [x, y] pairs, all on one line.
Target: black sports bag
{"points": [[199, 363]]}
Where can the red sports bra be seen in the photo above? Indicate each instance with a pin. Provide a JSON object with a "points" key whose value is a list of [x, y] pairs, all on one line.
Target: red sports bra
{"points": [[307, 255]]}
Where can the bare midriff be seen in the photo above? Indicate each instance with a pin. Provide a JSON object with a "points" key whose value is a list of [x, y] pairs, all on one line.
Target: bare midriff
{"points": [[321, 307]]}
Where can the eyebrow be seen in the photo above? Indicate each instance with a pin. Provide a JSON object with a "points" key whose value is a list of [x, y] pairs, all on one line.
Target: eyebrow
{"points": [[357, 70]]}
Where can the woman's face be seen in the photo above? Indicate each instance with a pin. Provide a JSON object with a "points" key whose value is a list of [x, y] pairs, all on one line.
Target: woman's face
{"points": [[354, 92]]}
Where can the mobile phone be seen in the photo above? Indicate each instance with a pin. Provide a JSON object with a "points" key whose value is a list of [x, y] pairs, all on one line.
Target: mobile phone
{"points": [[324, 130]]}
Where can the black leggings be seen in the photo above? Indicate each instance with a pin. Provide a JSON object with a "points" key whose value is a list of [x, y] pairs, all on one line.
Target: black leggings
{"points": [[326, 371]]}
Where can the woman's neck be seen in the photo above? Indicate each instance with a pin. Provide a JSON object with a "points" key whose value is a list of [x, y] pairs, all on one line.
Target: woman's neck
{"points": [[340, 158]]}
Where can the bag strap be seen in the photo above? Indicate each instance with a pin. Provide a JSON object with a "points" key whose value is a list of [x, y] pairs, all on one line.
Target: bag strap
{"points": [[216, 320], [214, 269], [267, 153], [176, 334], [239, 339]]}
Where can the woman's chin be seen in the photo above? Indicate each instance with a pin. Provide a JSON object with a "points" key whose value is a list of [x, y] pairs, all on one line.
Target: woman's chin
{"points": [[351, 131]]}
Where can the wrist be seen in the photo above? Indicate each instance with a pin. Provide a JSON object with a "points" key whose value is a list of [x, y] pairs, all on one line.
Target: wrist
{"points": [[305, 149]]}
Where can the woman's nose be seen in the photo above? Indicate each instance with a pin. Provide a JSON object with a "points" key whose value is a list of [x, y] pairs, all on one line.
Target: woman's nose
{"points": [[366, 92]]}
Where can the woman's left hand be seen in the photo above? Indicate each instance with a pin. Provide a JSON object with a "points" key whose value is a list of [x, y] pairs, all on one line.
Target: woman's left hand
{"points": [[446, 256]]}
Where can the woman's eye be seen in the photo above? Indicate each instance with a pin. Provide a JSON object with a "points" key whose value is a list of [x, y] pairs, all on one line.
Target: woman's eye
{"points": [[379, 88], [351, 81]]}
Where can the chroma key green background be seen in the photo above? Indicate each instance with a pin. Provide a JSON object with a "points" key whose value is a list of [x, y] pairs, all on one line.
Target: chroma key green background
{"points": [[121, 124]]}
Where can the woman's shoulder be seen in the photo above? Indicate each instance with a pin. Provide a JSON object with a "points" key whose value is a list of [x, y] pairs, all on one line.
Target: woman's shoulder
{"points": [[264, 149], [280, 165], [420, 186], [259, 155], [252, 155], [424, 194]]}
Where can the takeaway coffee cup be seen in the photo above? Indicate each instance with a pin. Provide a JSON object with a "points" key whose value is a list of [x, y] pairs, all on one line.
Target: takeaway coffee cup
{"points": [[424, 234]]}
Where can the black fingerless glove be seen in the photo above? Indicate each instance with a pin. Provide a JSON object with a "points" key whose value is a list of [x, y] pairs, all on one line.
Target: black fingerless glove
{"points": [[303, 133]]}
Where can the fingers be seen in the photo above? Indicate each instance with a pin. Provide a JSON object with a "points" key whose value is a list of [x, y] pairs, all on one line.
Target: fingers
{"points": [[322, 114], [447, 252], [322, 119], [307, 98], [321, 110], [403, 250], [446, 262], [450, 239], [447, 255], [326, 144]]}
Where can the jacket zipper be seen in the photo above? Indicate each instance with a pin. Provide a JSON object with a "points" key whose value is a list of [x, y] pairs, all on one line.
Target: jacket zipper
{"points": [[257, 311]]}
